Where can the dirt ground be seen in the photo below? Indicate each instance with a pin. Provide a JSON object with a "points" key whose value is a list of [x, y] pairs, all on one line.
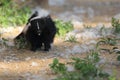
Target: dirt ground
{"points": [[27, 65], [23, 64]]}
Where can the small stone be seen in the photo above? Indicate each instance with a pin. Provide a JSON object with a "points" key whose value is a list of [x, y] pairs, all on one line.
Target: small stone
{"points": [[34, 64], [28, 58]]}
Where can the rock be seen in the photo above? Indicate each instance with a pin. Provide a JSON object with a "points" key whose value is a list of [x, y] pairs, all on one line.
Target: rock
{"points": [[56, 2], [117, 16], [10, 44], [70, 68], [34, 64], [28, 58], [77, 25]]}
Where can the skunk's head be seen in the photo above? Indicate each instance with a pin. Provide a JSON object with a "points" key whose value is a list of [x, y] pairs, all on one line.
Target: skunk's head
{"points": [[35, 14], [38, 20], [37, 26]]}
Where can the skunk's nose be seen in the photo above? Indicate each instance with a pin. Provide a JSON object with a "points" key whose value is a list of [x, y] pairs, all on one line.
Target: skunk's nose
{"points": [[39, 32]]}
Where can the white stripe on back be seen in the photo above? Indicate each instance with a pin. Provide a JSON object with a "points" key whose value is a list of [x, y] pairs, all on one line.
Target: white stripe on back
{"points": [[38, 26]]}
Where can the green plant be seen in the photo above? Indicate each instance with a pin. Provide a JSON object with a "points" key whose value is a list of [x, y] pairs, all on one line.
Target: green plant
{"points": [[87, 66], [4, 2], [3, 42], [103, 30], [118, 57], [58, 67], [113, 76], [116, 50], [11, 15], [110, 41], [71, 39], [63, 27], [87, 26], [20, 43], [116, 25], [85, 69]]}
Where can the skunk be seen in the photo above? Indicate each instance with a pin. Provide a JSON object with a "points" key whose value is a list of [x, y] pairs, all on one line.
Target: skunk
{"points": [[39, 31]]}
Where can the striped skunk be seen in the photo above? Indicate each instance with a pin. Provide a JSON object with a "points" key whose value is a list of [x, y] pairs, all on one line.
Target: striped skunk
{"points": [[39, 31]]}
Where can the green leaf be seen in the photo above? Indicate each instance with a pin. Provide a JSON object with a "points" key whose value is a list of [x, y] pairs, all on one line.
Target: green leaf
{"points": [[118, 52], [118, 58], [55, 61], [63, 27]]}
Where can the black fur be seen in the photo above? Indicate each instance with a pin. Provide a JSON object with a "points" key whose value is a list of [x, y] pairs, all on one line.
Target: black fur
{"points": [[41, 32]]}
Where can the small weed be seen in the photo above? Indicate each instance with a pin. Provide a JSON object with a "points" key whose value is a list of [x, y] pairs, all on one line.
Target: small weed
{"points": [[85, 69], [116, 25], [58, 67], [20, 43], [11, 15], [87, 26], [113, 76], [118, 57], [103, 30], [63, 27], [110, 41], [3, 42], [72, 39]]}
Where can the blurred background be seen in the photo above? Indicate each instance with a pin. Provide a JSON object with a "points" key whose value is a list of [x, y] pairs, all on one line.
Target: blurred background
{"points": [[82, 10], [82, 25], [16, 12]]}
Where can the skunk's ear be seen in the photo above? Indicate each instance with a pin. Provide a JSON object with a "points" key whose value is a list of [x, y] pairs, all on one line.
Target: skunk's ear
{"points": [[48, 16], [36, 13], [33, 15]]}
